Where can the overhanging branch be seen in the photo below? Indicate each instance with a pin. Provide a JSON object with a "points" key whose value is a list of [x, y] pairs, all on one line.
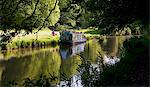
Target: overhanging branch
{"points": [[14, 9], [47, 17], [32, 12]]}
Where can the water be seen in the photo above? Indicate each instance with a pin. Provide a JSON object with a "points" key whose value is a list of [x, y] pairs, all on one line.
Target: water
{"points": [[60, 61]]}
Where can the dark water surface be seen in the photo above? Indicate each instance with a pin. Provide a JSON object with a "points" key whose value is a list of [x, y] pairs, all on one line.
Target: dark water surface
{"points": [[60, 61]]}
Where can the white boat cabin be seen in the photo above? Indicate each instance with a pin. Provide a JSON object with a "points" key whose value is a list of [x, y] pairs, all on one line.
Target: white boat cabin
{"points": [[72, 37]]}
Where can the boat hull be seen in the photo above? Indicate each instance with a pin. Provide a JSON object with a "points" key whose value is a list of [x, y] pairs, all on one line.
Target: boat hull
{"points": [[72, 42]]}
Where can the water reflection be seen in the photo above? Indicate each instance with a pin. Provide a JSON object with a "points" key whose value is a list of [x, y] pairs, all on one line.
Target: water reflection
{"points": [[75, 81], [111, 47], [92, 50], [60, 61], [110, 60], [69, 65], [31, 66], [66, 51]]}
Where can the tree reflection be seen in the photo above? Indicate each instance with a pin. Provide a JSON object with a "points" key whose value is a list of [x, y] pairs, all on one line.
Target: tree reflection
{"points": [[91, 51], [31, 66], [48, 67], [70, 65]]}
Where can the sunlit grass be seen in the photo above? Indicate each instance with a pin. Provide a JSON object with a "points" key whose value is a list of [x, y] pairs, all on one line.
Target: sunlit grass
{"points": [[43, 35], [42, 38]]}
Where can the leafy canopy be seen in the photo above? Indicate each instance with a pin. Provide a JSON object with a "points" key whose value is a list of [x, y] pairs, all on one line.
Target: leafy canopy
{"points": [[28, 14], [113, 14]]}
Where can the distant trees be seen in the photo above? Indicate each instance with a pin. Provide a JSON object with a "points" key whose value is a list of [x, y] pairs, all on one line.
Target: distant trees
{"points": [[69, 13]]}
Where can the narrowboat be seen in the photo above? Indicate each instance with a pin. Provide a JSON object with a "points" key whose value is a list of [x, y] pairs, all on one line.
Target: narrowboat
{"points": [[72, 37]]}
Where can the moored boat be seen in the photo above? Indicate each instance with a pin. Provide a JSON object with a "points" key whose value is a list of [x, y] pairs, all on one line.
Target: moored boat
{"points": [[72, 37]]}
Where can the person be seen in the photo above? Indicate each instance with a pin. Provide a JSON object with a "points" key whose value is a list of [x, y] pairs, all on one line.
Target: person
{"points": [[53, 33]]}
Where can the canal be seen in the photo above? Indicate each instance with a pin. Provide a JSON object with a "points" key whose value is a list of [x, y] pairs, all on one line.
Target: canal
{"points": [[62, 64]]}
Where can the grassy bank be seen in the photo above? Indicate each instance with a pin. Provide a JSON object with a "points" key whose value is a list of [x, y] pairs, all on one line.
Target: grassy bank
{"points": [[41, 39], [44, 38], [90, 33]]}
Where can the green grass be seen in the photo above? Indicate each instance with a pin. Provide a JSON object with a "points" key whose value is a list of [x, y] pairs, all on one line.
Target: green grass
{"points": [[44, 38], [93, 32], [90, 33]]}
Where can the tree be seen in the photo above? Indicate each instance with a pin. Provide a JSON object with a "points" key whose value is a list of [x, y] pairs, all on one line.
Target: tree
{"points": [[64, 4], [28, 14], [69, 13], [113, 15]]}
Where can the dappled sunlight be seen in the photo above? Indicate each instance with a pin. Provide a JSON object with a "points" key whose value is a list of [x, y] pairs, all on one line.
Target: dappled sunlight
{"points": [[74, 43]]}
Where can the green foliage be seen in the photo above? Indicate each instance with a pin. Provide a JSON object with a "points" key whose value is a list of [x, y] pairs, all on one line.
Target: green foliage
{"points": [[70, 14], [112, 14], [61, 27], [64, 4], [85, 20], [93, 32], [28, 14]]}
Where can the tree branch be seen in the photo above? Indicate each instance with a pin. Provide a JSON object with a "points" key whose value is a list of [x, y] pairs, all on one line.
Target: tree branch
{"points": [[32, 12], [47, 17], [14, 9]]}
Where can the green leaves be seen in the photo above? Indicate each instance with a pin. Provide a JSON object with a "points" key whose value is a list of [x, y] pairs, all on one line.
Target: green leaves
{"points": [[111, 14], [64, 4], [26, 14]]}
